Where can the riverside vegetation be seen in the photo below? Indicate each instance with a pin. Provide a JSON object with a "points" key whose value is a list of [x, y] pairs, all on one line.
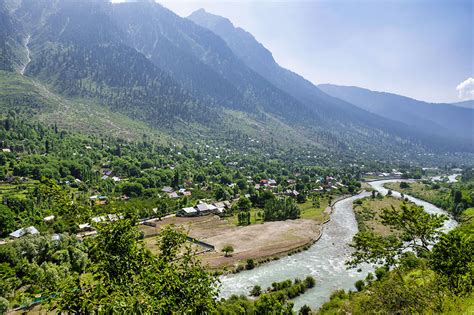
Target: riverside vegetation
{"points": [[113, 114]]}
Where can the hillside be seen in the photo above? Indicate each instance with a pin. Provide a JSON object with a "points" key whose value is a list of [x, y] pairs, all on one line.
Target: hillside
{"points": [[441, 119], [148, 67], [338, 110]]}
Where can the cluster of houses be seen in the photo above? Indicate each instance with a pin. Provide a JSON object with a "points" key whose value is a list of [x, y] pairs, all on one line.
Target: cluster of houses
{"points": [[175, 194], [393, 173], [111, 217], [31, 230], [204, 209], [108, 174], [266, 183]]}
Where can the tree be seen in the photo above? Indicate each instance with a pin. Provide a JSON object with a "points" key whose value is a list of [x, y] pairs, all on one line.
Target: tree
{"points": [[273, 304], [418, 231], [404, 185], [124, 277], [3, 305], [7, 220], [453, 259], [244, 204], [227, 249], [243, 218]]}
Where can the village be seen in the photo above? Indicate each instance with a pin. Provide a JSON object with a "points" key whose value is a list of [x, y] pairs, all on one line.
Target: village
{"points": [[212, 224]]}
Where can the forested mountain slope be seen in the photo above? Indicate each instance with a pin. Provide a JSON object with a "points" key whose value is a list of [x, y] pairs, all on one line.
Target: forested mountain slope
{"points": [[337, 110], [143, 64]]}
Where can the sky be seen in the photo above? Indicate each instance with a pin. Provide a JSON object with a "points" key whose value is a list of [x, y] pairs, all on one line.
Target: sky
{"points": [[418, 48]]}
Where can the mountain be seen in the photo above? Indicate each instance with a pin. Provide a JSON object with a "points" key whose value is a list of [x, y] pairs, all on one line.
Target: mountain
{"points": [[141, 63], [440, 119], [338, 111], [465, 104]]}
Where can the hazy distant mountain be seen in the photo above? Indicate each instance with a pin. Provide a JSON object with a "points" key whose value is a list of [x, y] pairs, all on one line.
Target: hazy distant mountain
{"points": [[443, 119], [465, 104]]}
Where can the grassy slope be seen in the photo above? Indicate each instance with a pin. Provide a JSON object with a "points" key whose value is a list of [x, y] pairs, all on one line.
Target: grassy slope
{"points": [[87, 116], [35, 99]]}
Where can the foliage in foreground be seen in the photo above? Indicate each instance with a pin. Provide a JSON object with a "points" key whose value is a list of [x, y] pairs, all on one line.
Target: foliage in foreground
{"points": [[276, 299], [424, 279], [112, 272]]}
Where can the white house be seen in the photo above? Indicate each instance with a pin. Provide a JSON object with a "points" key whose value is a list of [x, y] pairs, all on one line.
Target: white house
{"points": [[187, 212], [49, 218], [29, 230]]}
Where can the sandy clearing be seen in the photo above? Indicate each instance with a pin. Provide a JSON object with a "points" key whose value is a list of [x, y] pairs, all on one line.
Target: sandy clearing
{"points": [[257, 241]]}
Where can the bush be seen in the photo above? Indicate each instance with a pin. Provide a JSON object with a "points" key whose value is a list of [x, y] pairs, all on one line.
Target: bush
{"points": [[250, 264], [309, 282], [304, 310], [256, 290], [381, 272], [3, 305], [360, 284], [404, 185]]}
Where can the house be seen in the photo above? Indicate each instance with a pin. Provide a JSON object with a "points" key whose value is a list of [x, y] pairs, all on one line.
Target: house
{"points": [[291, 181], [292, 193], [6, 150], [102, 200], [112, 217], [212, 208], [219, 204], [104, 177], [29, 230], [187, 212], [116, 179], [187, 193], [55, 237], [85, 227], [48, 218], [98, 219], [263, 182], [173, 195], [203, 208], [272, 182], [167, 190]]}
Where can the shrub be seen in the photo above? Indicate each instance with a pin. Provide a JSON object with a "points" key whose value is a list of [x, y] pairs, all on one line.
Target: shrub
{"points": [[309, 281], [360, 284], [256, 291], [250, 264]]}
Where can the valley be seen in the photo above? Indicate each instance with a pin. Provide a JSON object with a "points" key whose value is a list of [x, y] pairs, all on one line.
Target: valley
{"points": [[165, 161]]}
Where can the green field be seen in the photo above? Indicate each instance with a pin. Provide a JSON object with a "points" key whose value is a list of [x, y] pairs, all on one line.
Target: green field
{"points": [[368, 213], [309, 211]]}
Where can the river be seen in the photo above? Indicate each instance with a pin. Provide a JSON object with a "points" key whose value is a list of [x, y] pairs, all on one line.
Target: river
{"points": [[325, 260]]}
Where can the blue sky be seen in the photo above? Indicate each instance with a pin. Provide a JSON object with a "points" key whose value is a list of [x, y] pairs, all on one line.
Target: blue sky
{"points": [[422, 49]]}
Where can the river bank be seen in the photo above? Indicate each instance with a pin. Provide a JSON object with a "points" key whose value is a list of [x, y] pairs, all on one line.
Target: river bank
{"points": [[325, 260]]}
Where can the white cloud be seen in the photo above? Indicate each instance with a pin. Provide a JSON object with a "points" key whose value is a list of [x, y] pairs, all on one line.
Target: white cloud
{"points": [[466, 89]]}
